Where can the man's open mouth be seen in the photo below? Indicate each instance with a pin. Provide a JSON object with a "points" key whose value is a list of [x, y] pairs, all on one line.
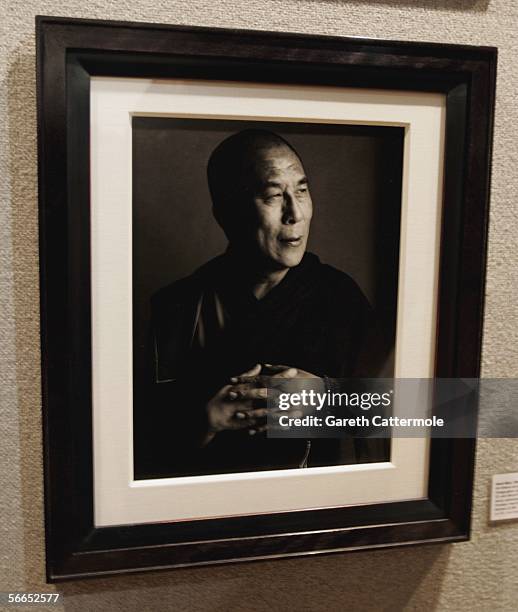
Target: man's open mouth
{"points": [[292, 241]]}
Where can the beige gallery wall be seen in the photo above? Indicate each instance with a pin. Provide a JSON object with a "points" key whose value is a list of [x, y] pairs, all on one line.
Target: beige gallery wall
{"points": [[479, 575]]}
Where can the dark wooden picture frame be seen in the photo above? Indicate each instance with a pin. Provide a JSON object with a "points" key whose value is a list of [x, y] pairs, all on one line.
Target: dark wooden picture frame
{"points": [[69, 53]]}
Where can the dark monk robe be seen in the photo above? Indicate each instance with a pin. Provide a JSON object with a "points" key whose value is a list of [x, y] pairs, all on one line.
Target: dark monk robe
{"points": [[209, 327]]}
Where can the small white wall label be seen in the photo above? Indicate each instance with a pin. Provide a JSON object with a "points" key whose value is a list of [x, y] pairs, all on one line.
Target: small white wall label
{"points": [[504, 497]]}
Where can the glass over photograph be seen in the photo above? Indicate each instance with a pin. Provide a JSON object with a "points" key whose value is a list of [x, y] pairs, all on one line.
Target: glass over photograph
{"points": [[261, 251]]}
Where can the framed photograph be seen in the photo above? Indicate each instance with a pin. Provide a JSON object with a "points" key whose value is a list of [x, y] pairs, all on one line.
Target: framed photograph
{"points": [[222, 208]]}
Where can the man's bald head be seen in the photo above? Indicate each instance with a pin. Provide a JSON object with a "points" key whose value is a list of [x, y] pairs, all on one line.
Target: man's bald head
{"points": [[261, 198], [230, 170]]}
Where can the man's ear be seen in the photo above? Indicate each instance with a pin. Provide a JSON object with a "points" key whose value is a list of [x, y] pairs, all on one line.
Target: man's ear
{"points": [[222, 221]]}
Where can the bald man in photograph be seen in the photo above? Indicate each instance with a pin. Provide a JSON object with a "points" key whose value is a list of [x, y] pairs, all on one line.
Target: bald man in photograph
{"points": [[264, 308]]}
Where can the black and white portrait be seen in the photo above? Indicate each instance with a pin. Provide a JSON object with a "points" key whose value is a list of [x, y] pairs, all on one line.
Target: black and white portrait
{"points": [[260, 249]]}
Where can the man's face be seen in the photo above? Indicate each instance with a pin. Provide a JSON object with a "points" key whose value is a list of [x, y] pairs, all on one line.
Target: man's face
{"points": [[282, 207]]}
